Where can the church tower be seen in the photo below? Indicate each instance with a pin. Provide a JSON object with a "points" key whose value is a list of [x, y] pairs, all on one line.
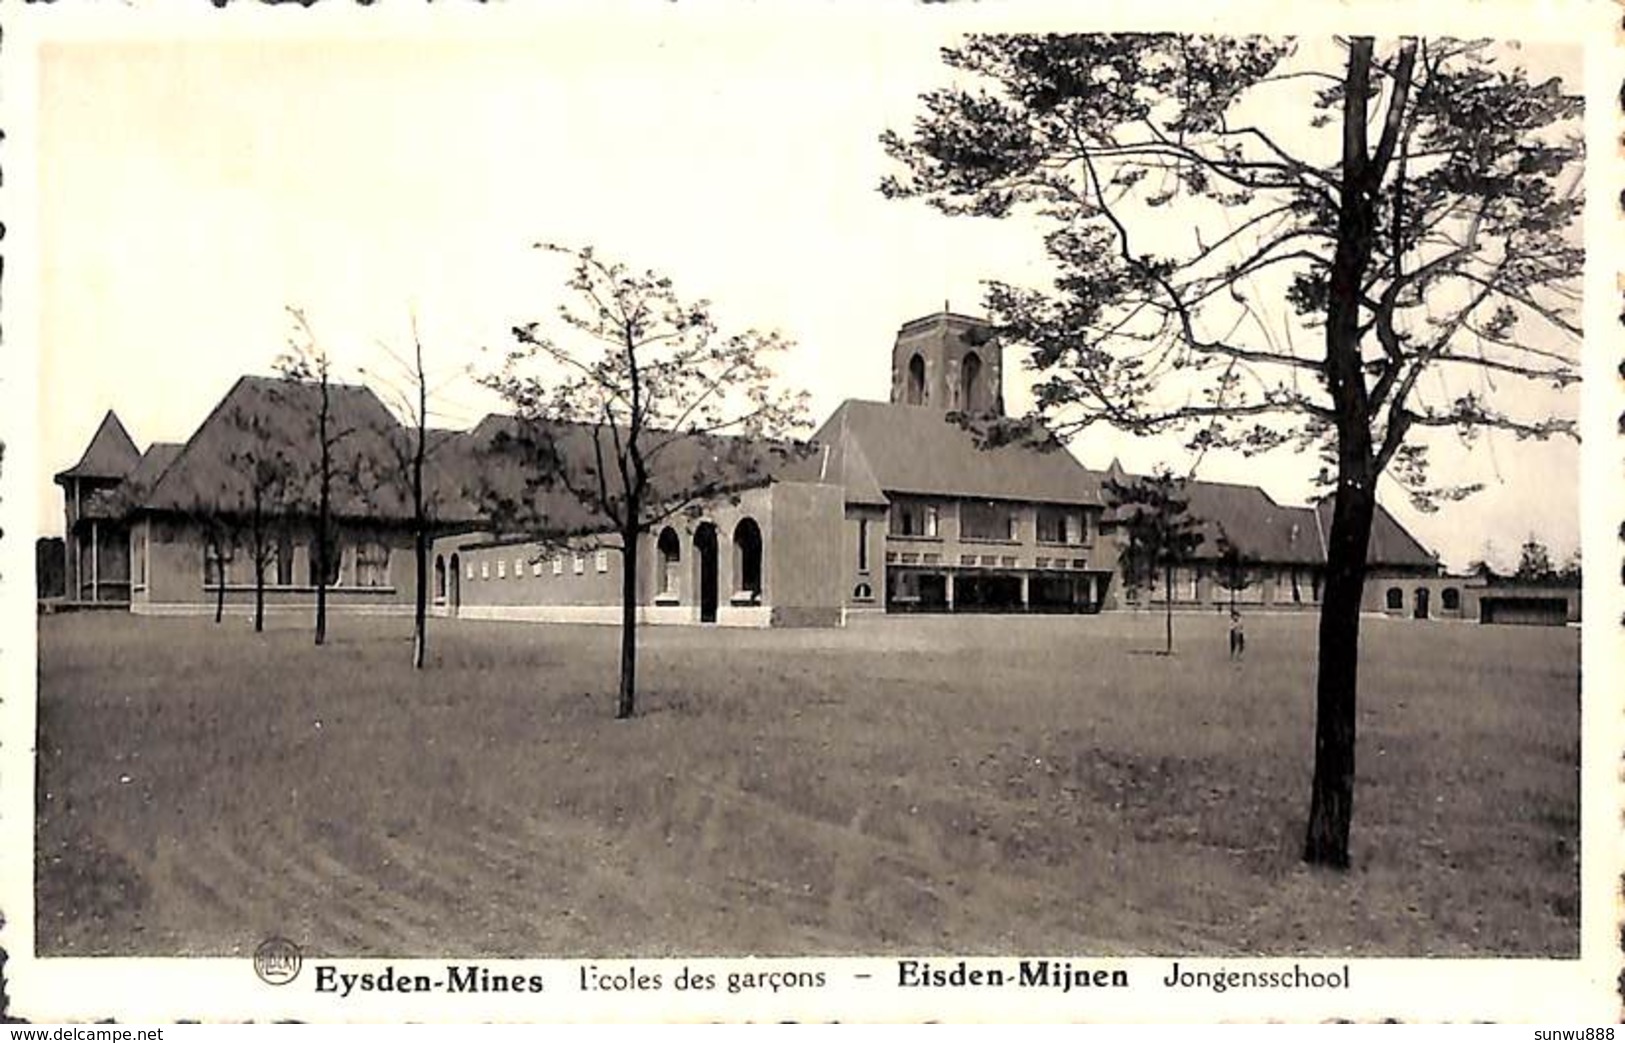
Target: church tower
{"points": [[949, 363]]}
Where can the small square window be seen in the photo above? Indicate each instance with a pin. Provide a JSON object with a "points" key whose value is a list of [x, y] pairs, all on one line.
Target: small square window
{"points": [[602, 563]]}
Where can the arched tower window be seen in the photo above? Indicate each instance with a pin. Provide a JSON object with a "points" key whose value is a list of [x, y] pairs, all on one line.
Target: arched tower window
{"points": [[971, 398], [914, 395]]}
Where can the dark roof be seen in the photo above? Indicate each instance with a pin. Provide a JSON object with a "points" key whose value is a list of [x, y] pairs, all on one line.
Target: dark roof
{"points": [[1260, 528], [1391, 544], [263, 418], [885, 448], [111, 453], [1266, 531], [502, 454]]}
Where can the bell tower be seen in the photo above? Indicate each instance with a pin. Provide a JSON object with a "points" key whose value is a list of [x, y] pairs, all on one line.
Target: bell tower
{"points": [[950, 363]]}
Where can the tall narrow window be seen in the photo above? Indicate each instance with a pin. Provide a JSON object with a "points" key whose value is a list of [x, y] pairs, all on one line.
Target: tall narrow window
{"points": [[748, 558], [970, 384], [915, 393], [931, 520], [372, 565], [863, 544], [671, 557]]}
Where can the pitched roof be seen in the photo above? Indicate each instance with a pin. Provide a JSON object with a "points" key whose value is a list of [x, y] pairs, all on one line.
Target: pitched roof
{"points": [[268, 419], [888, 448], [500, 456], [1391, 543], [1249, 517], [110, 454], [1267, 531]]}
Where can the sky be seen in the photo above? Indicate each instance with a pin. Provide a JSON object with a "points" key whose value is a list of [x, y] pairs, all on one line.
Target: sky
{"points": [[190, 191]]}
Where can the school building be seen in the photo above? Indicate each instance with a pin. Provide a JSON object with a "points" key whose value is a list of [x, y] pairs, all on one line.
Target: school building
{"points": [[894, 507]]}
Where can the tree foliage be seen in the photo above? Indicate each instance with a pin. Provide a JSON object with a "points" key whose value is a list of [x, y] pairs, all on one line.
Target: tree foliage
{"points": [[1216, 206], [1160, 535], [1472, 273], [636, 404]]}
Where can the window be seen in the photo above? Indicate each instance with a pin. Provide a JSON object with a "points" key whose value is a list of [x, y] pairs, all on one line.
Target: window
{"points": [[1058, 525], [335, 556], [471, 570], [216, 565], [913, 518], [601, 561], [138, 555], [1396, 599], [485, 570], [863, 592], [970, 384], [748, 558], [1450, 599], [372, 565], [987, 520], [536, 567], [863, 544], [670, 549], [579, 565], [915, 393], [558, 564], [439, 578], [519, 568], [502, 568], [279, 565], [1195, 580]]}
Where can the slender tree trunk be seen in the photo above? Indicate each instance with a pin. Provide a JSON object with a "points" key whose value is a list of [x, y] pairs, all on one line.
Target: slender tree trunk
{"points": [[626, 704], [1168, 610], [420, 609], [1331, 805], [220, 592], [324, 508], [259, 594]]}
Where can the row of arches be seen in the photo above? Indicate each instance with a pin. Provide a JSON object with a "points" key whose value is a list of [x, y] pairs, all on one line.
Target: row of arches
{"points": [[747, 565], [1449, 601]]}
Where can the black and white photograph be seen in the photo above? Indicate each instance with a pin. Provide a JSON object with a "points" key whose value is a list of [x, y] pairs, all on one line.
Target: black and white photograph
{"points": [[922, 512]]}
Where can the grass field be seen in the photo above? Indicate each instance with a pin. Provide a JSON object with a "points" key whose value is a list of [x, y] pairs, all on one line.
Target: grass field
{"points": [[979, 785]]}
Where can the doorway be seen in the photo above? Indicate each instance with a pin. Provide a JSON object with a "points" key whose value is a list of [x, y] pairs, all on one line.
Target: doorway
{"points": [[454, 597], [1421, 602], [705, 549]]}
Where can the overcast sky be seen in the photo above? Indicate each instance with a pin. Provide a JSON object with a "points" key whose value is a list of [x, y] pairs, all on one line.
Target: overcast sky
{"points": [[190, 191]]}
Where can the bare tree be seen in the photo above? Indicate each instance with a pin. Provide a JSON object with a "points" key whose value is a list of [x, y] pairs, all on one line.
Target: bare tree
{"points": [[1414, 203], [410, 453], [307, 362], [613, 414], [261, 466]]}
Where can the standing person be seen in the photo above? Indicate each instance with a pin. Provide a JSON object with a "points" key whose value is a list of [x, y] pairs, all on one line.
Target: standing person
{"points": [[1238, 636]]}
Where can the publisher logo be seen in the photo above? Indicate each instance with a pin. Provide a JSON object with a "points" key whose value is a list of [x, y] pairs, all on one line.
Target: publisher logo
{"points": [[277, 961]]}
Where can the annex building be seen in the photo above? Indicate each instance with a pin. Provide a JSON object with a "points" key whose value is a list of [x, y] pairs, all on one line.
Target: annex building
{"points": [[894, 507]]}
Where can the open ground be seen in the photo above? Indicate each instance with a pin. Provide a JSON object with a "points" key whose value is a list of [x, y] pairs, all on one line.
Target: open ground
{"points": [[972, 784]]}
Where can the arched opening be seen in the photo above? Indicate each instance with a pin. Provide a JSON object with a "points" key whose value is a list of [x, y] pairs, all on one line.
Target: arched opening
{"points": [[1421, 602], [748, 561], [1450, 599], [705, 549], [915, 393], [670, 550], [455, 593], [439, 579], [970, 384], [1396, 599]]}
